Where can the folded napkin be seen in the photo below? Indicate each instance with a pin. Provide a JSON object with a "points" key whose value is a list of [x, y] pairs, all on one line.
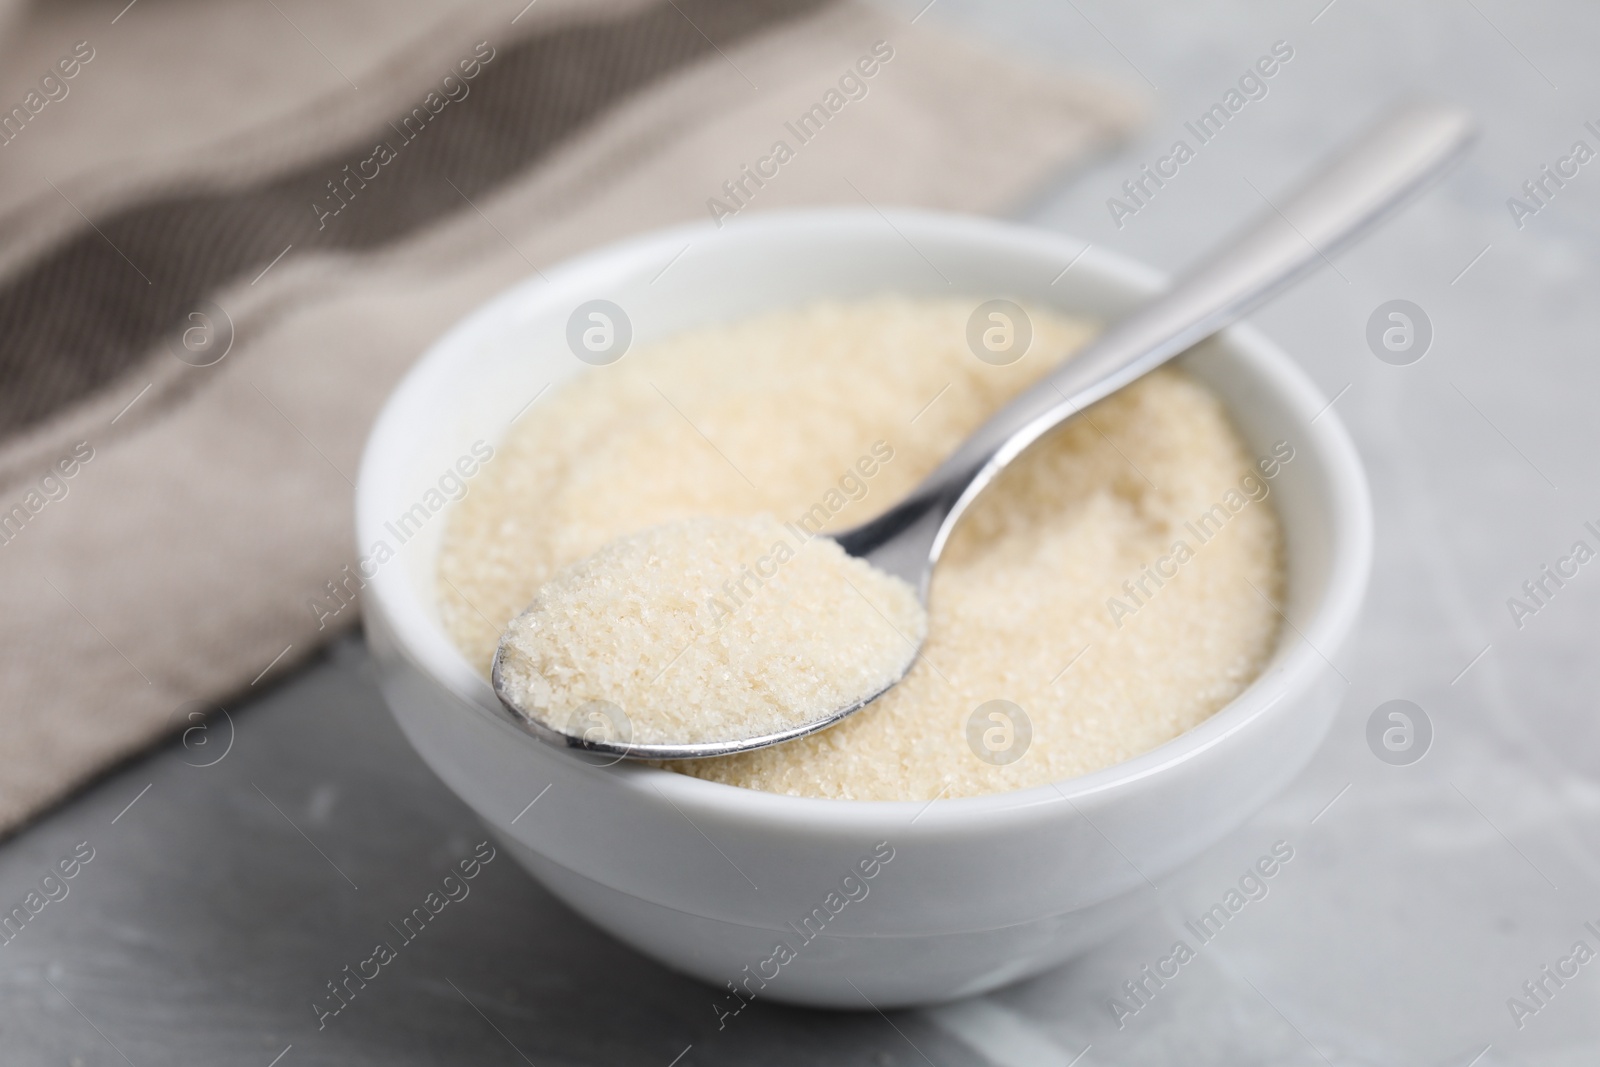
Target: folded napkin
{"points": [[228, 228]]}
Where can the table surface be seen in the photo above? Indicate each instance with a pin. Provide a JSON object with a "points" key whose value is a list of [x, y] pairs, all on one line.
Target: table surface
{"points": [[1421, 897]]}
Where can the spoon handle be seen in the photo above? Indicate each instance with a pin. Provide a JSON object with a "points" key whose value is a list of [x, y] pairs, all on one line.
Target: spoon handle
{"points": [[1342, 200]]}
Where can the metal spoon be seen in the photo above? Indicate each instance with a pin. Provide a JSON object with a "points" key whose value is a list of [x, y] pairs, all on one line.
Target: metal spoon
{"points": [[1341, 202]]}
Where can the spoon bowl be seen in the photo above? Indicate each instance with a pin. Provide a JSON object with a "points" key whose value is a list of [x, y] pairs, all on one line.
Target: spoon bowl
{"points": [[983, 890]]}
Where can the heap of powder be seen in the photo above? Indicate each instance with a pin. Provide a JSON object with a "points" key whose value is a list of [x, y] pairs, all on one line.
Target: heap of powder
{"points": [[828, 414], [711, 630]]}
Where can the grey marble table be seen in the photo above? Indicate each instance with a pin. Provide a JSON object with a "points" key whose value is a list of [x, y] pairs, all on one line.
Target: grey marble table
{"points": [[1422, 897]]}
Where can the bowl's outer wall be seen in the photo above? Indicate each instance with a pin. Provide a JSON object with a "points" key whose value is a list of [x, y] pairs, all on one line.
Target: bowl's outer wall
{"points": [[706, 877]]}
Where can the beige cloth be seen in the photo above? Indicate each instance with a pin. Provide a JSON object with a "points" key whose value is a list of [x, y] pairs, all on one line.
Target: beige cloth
{"points": [[178, 565]]}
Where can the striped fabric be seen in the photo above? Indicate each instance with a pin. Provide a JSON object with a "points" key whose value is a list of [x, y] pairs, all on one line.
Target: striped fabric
{"points": [[227, 233]]}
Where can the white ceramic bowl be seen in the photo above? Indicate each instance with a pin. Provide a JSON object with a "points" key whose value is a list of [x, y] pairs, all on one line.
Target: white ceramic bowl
{"points": [[708, 878]]}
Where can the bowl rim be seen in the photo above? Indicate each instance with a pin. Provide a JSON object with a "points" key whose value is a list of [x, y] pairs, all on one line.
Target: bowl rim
{"points": [[425, 645]]}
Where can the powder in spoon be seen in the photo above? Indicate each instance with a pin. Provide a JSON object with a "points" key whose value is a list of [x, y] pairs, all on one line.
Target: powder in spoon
{"points": [[711, 630]]}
